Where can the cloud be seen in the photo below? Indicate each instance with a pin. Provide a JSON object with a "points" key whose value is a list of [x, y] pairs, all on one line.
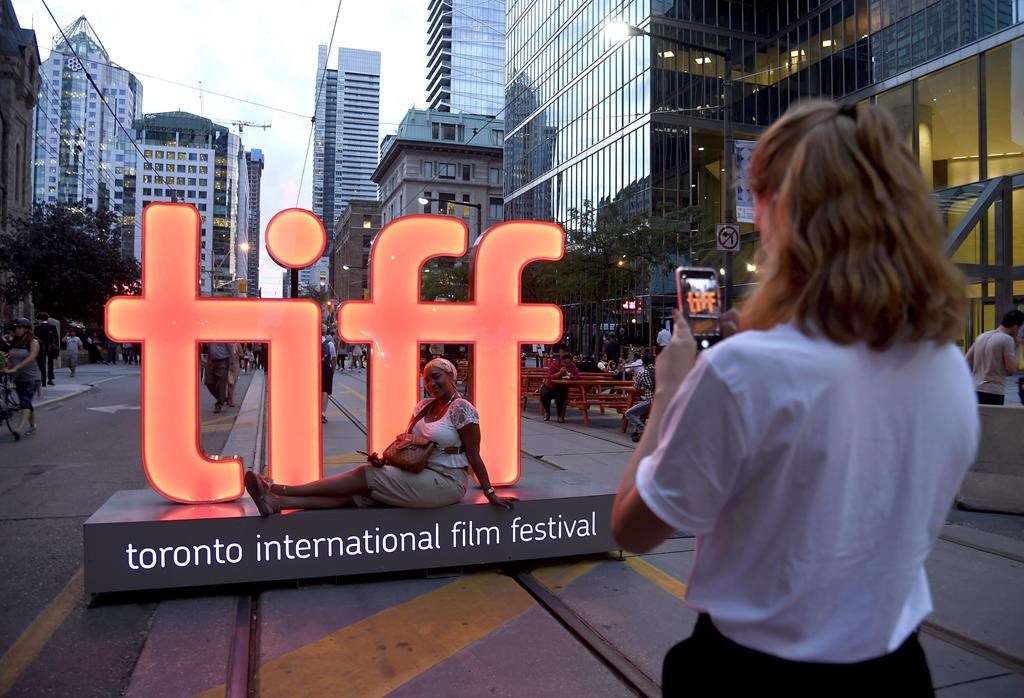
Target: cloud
{"points": [[260, 51]]}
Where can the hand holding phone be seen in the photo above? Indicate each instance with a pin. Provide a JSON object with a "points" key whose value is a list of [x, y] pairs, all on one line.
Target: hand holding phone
{"points": [[699, 300]]}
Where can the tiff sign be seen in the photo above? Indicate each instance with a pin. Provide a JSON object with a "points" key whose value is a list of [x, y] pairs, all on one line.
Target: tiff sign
{"points": [[170, 319]]}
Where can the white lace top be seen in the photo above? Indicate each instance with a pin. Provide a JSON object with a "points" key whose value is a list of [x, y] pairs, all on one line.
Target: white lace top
{"points": [[444, 432]]}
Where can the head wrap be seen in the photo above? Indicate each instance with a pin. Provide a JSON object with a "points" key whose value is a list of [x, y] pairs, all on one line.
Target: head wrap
{"points": [[443, 364]]}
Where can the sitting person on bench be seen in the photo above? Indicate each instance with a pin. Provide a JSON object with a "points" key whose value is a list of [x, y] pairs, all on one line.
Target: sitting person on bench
{"points": [[446, 418], [564, 369], [643, 382]]}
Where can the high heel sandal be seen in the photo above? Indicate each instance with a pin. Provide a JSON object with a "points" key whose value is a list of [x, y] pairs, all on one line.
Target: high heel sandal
{"points": [[258, 488]]}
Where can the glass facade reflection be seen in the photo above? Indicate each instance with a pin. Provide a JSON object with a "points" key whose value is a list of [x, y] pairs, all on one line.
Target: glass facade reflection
{"points": [[466, 56], [639, 122]]}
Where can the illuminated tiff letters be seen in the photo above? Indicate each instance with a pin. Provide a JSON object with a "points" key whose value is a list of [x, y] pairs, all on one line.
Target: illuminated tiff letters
{"points": [[171, 320], [495, 321]]}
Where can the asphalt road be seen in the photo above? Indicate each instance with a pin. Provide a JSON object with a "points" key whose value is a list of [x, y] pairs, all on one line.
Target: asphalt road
{"points": [[49, 485]]}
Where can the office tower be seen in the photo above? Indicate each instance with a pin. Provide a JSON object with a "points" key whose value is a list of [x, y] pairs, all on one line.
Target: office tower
{"points": [[466, 56], [203, 163], [254, 162], [346, 132], [81, 153], [635, 124]]}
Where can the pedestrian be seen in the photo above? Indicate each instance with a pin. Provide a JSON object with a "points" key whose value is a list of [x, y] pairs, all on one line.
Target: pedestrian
{"points": [[248, 359], [611, 348], [800, 452], [49, 347], [994, 356], [643, 382], [126, 353], [635, 365], [664, 337], [328, 365], [358, 356], [564, 369], [216, 361], [22, 364], [111, 347], [446, 418], [342, 354], [234, 367], [92, 345], [73, 345]]}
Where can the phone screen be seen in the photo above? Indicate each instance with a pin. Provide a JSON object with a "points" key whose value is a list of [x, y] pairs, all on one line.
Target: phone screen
{"points": [[699, 301]]}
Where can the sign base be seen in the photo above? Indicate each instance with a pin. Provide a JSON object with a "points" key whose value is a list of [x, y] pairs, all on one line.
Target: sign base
{"points": [[138, 540]]}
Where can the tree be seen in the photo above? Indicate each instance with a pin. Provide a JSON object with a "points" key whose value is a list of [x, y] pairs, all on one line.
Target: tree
{"points": [[68, 259], [609, 254]]}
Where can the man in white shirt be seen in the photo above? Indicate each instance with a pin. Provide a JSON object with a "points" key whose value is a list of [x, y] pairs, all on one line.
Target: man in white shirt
{"points": [[993, 356], [74, 345], [664, 337]]}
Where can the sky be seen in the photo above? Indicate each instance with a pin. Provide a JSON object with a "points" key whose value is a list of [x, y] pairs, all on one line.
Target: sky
{"points": [[255, 50]]}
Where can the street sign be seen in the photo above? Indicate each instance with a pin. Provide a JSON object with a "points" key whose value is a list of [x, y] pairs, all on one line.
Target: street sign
{"points": [[728, 238]]}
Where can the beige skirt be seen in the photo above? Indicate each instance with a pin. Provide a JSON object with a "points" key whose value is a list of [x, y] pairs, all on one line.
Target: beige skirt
{"points": [[432, 487]]}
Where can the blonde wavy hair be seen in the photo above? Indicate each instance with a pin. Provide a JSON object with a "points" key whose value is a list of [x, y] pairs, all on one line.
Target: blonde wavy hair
{"points": [[856, 245]]}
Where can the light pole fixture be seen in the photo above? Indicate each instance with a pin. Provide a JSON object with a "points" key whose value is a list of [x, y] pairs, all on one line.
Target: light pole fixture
{"points": [[245, 247], [618, 31], [424, 200]]}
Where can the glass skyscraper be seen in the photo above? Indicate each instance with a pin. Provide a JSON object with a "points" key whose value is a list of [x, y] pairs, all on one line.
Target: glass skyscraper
{"points": [[466, 56], [81, 154], [638, 123], [346, 132], [254, 164]]}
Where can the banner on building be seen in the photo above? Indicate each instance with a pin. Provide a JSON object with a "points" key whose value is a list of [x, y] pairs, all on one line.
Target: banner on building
{"points": [[744, 195]]}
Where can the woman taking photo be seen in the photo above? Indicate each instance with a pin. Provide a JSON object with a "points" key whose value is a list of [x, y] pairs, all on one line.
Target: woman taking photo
{"points": [[22, 364], [816, 454], [447, 419]]}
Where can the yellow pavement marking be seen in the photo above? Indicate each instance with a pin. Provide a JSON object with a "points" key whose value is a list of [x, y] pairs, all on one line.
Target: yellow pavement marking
{"points": [[34, 638], [350, 391], [661, 578], [559, 575], [344, 458], [378, 654], [211, 428]]}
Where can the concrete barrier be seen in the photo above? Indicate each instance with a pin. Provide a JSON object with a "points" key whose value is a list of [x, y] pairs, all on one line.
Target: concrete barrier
{"points": [[996, 480]]}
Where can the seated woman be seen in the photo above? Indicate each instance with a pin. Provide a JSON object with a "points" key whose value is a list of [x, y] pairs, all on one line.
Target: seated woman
{"points": [[447, 419]]}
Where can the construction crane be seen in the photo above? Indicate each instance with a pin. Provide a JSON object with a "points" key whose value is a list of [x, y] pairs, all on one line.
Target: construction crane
{"points": [[241, 124]]}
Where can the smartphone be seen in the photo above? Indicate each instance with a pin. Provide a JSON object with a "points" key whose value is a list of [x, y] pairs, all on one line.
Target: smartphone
{"points": [[700, 301]]}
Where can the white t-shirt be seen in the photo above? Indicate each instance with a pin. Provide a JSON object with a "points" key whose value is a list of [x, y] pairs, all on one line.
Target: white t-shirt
{"points": [[444, 432], [73, 343], [816, 478], [664, 337]]}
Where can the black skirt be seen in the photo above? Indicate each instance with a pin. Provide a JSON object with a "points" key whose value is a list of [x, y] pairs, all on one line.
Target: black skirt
{"points": [[710, 664]]}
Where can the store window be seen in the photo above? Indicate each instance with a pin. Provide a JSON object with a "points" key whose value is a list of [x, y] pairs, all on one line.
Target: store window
{"points": [[1004, 67], [947, 125]]}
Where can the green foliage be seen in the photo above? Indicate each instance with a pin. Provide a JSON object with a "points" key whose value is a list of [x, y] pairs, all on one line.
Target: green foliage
{"points": [[68, 259], [610, 254]]}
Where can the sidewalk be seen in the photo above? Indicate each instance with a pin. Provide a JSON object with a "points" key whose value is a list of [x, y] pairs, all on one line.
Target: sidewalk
{"points": [[86, 377]]}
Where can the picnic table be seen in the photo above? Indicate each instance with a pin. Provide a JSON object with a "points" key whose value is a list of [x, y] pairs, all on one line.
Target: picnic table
{"points": [[598, 390]]}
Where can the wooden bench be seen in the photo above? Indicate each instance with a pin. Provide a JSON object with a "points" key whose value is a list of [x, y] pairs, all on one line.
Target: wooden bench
{"points": [[601, 393]]}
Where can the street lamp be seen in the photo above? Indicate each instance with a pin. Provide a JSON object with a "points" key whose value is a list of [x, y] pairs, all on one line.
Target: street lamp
{"points": [[618, 31], [423, 200], [245, 247]]}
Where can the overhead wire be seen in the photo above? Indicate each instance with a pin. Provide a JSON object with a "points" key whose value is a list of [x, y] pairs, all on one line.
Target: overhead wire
{"points": [[316, 104], [106, 103], [202, 90]]}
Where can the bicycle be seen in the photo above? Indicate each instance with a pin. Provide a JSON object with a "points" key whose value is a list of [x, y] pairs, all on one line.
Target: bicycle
{"points": [[10, 405]]}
